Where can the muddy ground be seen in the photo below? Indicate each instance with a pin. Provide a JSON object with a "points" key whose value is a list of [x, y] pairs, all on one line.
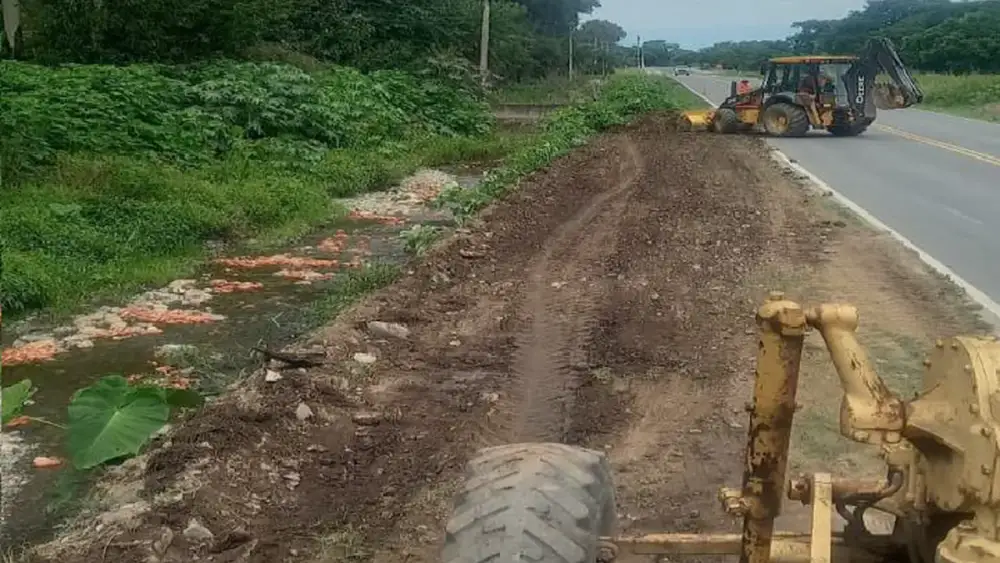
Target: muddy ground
{"points": [[608, 303]]}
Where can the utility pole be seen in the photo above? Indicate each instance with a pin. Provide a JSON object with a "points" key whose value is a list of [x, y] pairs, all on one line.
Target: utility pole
{"points": [[571, 32], [638, 51], [11, 12], [484, 45]]}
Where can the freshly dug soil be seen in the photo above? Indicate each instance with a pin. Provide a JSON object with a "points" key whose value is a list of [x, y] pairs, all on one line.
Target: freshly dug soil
{"points": [[608, 302]]}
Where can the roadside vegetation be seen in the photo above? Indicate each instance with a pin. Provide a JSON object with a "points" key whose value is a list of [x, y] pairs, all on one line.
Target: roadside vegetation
{"points": [[224, 121], [556, 89], [116, 176], [116, 417], [971, 95]]}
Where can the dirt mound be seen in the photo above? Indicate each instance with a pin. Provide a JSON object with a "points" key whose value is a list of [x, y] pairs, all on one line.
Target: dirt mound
{"points": [[607, 302]]}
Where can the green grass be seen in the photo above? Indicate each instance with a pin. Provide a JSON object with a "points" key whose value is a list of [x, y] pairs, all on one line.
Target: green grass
{"points": [[103, 226], [552, 90], [976, 95], [116, 177], [623, 98]]}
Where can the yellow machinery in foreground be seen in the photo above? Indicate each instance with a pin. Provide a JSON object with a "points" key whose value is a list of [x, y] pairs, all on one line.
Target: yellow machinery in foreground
{"points": [[550, 503], [837, 94]]}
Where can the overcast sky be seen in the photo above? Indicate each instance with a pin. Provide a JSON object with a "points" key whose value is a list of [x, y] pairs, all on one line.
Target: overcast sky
{"points": [[699, 23]]}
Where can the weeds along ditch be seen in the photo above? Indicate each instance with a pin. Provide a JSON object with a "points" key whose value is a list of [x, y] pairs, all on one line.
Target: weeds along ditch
{"points": [[264, 152], [114, 177]]}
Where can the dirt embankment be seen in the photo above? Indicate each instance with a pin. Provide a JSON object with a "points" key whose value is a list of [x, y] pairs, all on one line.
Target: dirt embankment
{"points": [[609, 302]]}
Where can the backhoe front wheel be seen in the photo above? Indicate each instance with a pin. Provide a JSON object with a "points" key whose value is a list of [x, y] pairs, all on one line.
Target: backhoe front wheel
{"points": [[786, 120], [726, 121], [546, 503]]}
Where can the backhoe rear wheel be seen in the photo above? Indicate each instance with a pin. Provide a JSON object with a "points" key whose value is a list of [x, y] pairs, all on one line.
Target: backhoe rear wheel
{"points": [[786, 120], [546, 503], [726, 121], [852, 130]]}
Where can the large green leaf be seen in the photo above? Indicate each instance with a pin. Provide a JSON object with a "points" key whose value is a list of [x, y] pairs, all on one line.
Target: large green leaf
{"points": [[110, 420], [13, 398]]}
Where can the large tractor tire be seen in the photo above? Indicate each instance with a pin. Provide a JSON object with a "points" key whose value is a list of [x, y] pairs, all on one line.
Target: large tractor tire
{"points": [[545, 503], [726, 121], [786, 120], [852, 130]]}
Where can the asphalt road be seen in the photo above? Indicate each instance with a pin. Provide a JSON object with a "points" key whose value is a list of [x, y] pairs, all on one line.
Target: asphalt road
{"points": [[933, 178]]}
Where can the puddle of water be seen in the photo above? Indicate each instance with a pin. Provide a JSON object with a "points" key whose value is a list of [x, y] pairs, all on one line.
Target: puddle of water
{"points": [[272, 316]]}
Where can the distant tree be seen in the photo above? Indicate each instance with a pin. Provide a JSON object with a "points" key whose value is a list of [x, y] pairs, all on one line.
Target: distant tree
{"points": [[659, 52], [937, 35], [600, 31]]}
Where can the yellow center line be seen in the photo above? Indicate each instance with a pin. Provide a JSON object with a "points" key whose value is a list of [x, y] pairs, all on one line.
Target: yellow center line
{"points": [[980, 156]]}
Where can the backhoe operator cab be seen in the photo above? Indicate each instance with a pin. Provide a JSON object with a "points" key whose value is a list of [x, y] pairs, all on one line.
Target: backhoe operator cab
{"points": [[838, 94]]}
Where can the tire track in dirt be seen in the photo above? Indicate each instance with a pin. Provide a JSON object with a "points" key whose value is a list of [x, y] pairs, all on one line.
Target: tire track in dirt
{"points": [[562, 303]]}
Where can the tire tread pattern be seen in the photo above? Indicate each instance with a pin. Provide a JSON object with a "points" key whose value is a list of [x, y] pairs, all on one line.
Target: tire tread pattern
{"points": [[544, 502], [798, 120]]}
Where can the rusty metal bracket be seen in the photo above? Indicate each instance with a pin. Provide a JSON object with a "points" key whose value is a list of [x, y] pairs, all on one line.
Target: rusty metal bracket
{"points": [[782, 326]]}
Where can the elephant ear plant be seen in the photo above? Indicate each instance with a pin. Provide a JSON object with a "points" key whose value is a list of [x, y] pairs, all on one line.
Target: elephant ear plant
{"points": [[107, 421]]}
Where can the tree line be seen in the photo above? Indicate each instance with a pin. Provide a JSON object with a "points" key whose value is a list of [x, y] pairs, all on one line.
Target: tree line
{"points": [[529, 38], [931, 35]]}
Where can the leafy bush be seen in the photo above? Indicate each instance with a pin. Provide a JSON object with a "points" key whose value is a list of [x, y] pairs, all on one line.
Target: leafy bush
{"points": [[622, 99], [115, 176], [109, 420], [193, 115]]}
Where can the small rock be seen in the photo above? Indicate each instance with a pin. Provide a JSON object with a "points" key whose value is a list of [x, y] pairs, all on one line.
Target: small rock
{"points": [[455, 343], [303, 412], [271, 376], [180, 286], [490, 397], [166, 538], [35, 338], [293, 479], [365, 358], [367, 418], [389, 330], [197, 533]]}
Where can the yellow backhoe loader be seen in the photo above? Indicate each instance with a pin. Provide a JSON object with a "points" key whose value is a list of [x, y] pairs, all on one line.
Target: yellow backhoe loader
{"points": [[838, 94], [553, 503]]}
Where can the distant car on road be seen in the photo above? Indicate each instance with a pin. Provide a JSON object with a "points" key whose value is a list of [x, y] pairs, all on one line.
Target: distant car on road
{"points": [[682, 72]]}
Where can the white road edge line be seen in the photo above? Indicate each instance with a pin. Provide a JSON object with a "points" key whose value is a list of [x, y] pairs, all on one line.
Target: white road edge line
{"points": [[974, 293]]}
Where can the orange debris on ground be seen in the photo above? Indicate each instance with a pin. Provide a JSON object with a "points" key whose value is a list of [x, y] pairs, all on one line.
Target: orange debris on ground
{"points": [[276, 260], [168, 316], [358, 214], [46, 462], [40, 351], [226, 286], [120, 333], [362, 246], [306, 275], [18, 421], [335, 244], [167, 376], [426, 192]]}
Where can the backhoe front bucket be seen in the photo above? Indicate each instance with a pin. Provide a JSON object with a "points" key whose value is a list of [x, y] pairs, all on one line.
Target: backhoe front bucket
{"points": [[697, 120]]}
